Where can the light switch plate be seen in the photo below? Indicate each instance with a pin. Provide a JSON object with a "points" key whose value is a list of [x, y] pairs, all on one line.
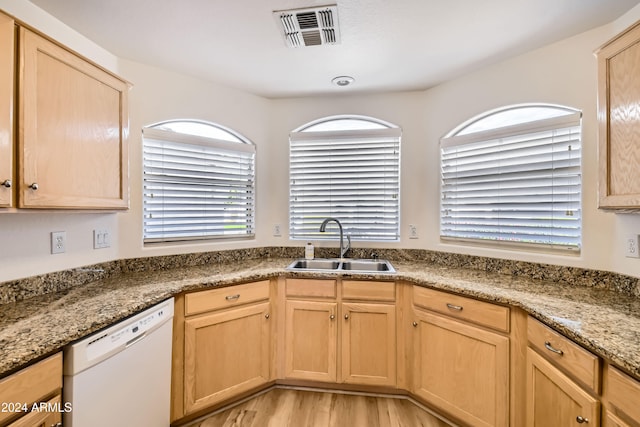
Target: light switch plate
{"points": [[101, 239]]}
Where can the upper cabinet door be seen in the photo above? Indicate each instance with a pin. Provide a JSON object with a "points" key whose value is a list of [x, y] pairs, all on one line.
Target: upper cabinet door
{"points": [[619, 121], [74, 125], [7, 58]]}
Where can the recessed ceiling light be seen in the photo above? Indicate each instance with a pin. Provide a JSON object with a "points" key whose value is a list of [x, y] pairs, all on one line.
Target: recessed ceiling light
{"points": [[342, 81]]}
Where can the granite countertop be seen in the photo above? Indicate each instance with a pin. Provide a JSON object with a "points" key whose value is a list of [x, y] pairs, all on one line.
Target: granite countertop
{"points": [[604, 321]]}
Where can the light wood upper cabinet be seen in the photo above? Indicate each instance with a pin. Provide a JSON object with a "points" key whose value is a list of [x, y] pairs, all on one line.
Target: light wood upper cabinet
{"points": [[7, 61], [619, 121], [73, 130], [553, 399]]}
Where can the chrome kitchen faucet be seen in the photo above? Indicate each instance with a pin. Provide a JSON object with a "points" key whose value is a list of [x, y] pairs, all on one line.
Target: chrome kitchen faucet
{"points": [[343, 249]]}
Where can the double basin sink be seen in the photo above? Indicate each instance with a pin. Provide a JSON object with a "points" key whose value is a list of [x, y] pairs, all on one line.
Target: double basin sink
{"points": [[342, 265]]}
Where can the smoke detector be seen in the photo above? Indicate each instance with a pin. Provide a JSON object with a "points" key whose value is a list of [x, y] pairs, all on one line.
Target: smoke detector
{"points": [[310, 26]]}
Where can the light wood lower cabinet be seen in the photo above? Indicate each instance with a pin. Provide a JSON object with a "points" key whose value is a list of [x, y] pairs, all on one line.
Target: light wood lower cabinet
{"points": [[368, 343], [42, 419], [222, 352], [477, 363], [553, 399], [461, 369], [345, 342], [31, 397], [311, 340], [622, 396]]}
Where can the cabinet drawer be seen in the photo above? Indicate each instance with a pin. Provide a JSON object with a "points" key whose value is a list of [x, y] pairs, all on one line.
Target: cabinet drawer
{"points": [[624, 393], [318, 288], [200, 302], [31, 384], [368, 290], [42, 419], [479, 312], [569, 356]]}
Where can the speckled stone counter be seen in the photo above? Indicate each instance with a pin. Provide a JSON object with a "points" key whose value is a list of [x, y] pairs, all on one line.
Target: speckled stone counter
{"points": [[603, 319]]}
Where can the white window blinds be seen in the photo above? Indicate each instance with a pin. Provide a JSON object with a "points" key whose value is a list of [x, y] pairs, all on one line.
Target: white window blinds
{"points": [[352, 175], [196, 187], [517, 184]]}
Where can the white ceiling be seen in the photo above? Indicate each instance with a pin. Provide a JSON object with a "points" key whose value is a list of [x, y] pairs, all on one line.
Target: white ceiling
{"points": [[387, 45]]}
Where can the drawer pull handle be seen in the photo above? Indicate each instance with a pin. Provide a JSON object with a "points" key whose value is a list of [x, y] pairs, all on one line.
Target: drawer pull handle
{"points": [[581, 420], [549, 347], [232, 297], [454, 307]]}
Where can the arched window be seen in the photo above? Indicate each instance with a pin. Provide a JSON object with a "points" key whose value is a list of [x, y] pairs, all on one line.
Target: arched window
{"points": [[346, 167], [513, 176], [199, 182]]}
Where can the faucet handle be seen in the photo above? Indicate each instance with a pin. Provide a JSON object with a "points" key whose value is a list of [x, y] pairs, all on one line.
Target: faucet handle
{"points": [[374, 255]]}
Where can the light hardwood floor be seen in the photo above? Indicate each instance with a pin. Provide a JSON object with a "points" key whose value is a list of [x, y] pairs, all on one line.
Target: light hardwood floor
{"points": [[281, 407]]}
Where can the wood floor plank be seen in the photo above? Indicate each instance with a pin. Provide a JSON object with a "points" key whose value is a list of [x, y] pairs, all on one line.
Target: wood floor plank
{"points": [[281, 407]]}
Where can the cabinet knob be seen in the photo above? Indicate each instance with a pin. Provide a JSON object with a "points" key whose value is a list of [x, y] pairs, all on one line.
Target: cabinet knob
{"points": [[266, 316], [415, 324], [34, 186], [581, 420], [7, 183], [332, 317], [346, 316]]}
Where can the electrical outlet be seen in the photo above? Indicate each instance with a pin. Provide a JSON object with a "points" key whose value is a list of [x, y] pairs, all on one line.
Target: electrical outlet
{"points": [[277, 230], [413, 231], [101, 239], [631, 249], [58, 242]]}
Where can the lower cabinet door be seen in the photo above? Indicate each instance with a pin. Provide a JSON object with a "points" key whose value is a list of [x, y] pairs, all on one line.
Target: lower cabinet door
{"points": [[225, 354], [369, 344], [553, 399], [461, 369], [311, 335]]}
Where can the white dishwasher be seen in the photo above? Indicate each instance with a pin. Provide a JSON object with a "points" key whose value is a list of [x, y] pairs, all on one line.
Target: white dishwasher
{"points": [[121, 376]]}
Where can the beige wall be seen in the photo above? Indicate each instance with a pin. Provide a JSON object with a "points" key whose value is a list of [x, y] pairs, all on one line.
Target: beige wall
{"points": [[563, 73]]}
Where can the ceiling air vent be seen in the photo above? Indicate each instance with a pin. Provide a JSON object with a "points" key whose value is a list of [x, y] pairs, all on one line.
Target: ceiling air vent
{"points": [[309, 27]]}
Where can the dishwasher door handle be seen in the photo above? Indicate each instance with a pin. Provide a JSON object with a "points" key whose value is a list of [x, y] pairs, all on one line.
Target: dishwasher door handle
{"points": [[132, 341]]}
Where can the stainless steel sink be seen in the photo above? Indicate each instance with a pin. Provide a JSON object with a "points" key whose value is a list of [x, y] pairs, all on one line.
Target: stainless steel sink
{"points": [[342, 265], [368, 265], [315, 264]]}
